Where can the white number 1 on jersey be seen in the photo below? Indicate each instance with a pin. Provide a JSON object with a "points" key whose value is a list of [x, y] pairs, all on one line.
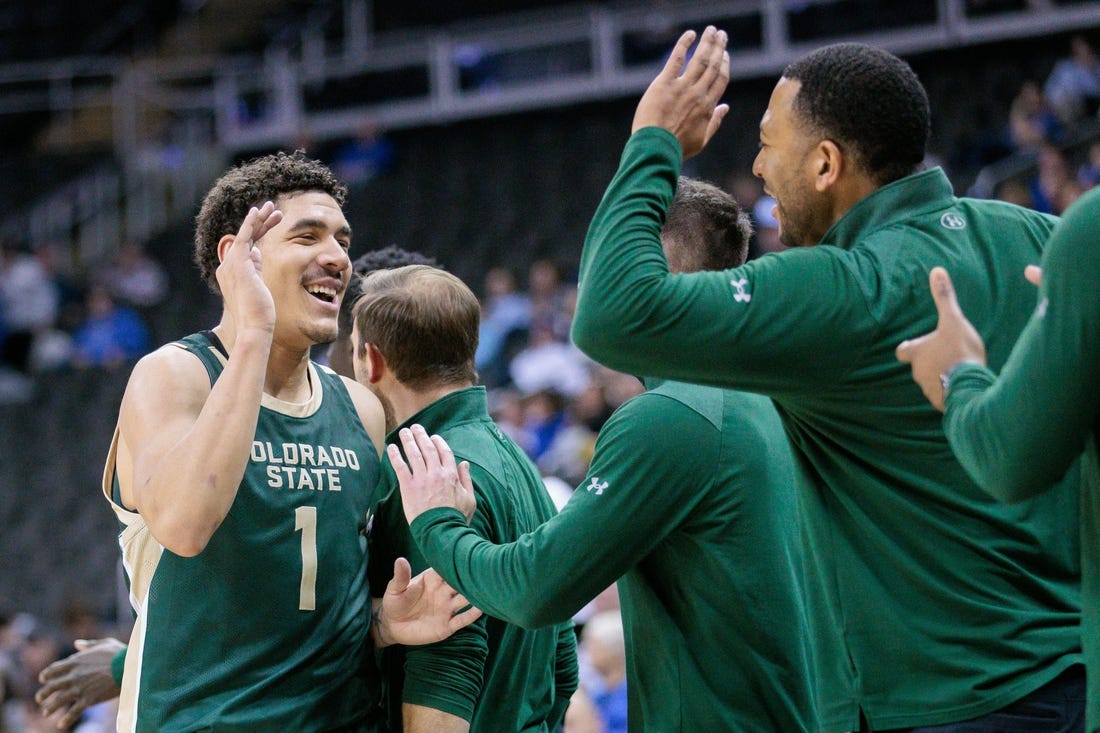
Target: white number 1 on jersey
{"points": [[305, 519]]}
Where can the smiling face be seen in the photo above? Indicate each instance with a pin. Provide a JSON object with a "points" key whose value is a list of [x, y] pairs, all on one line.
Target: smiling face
{"points": [[787, 163], [306, 266]]}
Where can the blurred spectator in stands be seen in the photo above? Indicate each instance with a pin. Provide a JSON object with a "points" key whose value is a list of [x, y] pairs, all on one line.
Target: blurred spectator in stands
{"points": [[571, 448], [26, 648], [550, 363], [543, 418], [765, 229], [135, 279], [548, 296], [29, 302], [506, 409], [111, 334], [1052, 173], [370, 153], [52, 347], [570, 452], [1089, 172], [1032, 122], [1070, 190], [1014, 191], [56, 259], [617, 387], [1073, 86], [505, 316], [604, 648]]}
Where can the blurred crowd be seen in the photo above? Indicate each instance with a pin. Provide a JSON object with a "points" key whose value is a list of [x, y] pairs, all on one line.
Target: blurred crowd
{"points": [[27, 646], [1054, 124], [53, 318]]}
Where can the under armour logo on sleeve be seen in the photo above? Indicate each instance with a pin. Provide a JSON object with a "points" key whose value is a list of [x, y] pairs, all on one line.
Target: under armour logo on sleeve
{"points": [[596, 486], [741, 296]]}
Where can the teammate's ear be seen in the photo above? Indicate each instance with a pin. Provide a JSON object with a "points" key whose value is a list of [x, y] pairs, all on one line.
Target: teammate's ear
{"points": [[223, 246], [376, 363], [829, 164]]}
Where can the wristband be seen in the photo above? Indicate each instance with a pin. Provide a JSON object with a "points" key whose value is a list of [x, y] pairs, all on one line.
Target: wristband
{"points": [[945, 378]]}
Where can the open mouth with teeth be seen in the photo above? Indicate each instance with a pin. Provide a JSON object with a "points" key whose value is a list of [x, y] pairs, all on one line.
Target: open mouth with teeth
{"points": [[320, 292]]}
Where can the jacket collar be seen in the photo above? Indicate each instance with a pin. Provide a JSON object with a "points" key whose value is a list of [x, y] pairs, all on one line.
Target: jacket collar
{"points": [[903, 199]]}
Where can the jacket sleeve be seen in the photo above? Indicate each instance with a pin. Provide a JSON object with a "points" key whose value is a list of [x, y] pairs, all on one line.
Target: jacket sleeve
{"points": [[781, 324], [1020, 432], [630, 501]]}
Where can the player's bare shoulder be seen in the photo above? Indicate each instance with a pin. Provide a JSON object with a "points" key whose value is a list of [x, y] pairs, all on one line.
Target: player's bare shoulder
{"points": [[370, 411], [166, 383]]}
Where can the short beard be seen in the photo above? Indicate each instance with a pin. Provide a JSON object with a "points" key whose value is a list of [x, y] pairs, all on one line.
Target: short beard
{"points": [[795, 232], [387, 409]]}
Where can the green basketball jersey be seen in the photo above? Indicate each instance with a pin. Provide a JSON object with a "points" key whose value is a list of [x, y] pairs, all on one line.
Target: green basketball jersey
{"points": [[265, 629]]}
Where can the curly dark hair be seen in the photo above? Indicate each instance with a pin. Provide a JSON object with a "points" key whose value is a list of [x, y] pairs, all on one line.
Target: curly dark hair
{"points": [[387, 258], [869, 102], [251, 184], [705, 228]]}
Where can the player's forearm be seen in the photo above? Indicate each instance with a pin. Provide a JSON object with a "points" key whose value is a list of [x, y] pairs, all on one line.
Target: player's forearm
{"points": [[1018, 434], [542, 578], [622, 263], [188, 494], [421, 719]]}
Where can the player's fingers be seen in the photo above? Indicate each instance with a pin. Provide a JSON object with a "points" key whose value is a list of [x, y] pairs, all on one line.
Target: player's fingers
{"points": [[467, 617], [446, 455], [459, 604], [44, 692], [675, 62], [54, 671], [412, 451], [427, 447], [712, 74], [402, 574], [1034, 275], [435, 582], [464, 478], [467, 500], [721, 79], [907, 349], [404, 476], [700, 68], [53, 703], [716, 118], [69, 717], [244, 234], [943, 293], [269, 218]]}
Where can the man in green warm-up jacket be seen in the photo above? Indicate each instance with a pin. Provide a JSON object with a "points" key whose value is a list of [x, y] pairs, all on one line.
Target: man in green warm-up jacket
{"points": [[690, 499], [1017, 432], [415, 333], [931, 603]]}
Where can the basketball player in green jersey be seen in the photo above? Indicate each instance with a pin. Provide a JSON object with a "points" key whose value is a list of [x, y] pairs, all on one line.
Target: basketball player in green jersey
{"points": [[244, 476], [94, 674]]}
